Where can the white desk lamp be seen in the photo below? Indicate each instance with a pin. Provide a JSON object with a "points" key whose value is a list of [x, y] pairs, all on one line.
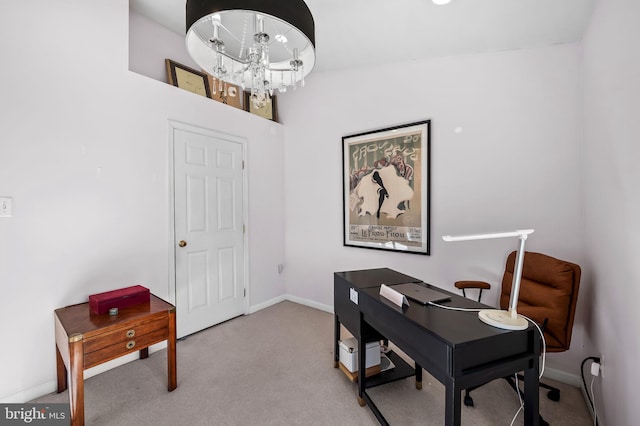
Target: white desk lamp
{"points": [[508, 320]]}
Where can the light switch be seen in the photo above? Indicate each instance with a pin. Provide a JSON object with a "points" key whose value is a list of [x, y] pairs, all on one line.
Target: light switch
{"points": [[6, 207]]}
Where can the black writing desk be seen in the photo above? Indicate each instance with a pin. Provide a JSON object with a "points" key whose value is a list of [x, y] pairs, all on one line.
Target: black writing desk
{"points": [[455, 347]]}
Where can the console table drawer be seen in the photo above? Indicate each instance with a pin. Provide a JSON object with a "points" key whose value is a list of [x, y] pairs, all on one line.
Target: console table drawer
{"points": [[123, 334], [125, 346]]}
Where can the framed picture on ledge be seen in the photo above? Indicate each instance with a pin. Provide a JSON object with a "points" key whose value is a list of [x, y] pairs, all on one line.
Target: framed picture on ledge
{"points": [[268, 111], [224, 92], [187, 78], [386, 199]]}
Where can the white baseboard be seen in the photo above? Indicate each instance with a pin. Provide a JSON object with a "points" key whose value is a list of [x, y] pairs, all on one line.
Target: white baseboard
{"points": [[309, 303], [30, 394], [562, 376], [295, 299], [52, 386], [260, 306]]}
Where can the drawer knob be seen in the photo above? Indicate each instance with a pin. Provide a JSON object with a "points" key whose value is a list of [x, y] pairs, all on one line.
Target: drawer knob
{"points": [[131, 344], [131, 333]]}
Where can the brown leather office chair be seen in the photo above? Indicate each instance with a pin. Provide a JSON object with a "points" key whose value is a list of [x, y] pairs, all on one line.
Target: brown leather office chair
{"points": [[548, 295]]}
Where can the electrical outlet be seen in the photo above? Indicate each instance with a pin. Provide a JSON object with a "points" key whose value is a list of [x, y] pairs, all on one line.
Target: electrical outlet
{"points": [[353, 295]]}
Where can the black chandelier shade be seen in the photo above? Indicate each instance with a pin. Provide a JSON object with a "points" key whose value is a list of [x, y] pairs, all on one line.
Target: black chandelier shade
{"points": [[295, 12]]}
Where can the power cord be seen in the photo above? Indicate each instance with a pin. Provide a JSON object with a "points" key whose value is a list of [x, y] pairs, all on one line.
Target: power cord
{"points": [[515, 416], [594, 359], [544, 344], [454, 308], [595, 414]]}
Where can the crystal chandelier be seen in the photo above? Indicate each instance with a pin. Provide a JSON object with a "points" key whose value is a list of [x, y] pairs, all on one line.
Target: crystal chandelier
{"points": [[257, 44]]}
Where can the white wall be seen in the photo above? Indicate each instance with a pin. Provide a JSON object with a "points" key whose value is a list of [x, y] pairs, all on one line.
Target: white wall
{"points": [[612, 204], [150, 44], [84, 153], [515, 165]]}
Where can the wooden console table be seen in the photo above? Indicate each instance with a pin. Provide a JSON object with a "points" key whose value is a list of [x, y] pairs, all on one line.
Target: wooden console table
{"points": [[84, 340]]}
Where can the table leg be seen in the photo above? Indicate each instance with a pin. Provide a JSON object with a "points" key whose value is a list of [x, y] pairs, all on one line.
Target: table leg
{"points": [[452, 404], [61, 371], [171, 353], [144, 353], [76, 382], [336, 339], [418, 376]]}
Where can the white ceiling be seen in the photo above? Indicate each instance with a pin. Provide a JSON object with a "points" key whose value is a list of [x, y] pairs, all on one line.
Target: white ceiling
{"points": [[354, 33]]}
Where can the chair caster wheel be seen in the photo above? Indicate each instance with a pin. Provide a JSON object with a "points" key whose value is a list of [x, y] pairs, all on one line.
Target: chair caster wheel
{"points": [[554, 395], [468, 401]]}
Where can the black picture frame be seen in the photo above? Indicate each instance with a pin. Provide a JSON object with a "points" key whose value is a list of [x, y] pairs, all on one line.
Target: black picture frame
{"points": [[269, 111], [187, 78], [386, 188]]}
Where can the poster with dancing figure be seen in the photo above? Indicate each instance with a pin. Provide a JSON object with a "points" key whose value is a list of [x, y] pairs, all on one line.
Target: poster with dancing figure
{"points": [[386, 188]]}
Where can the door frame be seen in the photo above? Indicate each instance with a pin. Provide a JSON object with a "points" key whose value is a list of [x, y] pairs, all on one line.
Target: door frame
{"points": [[177, 125]]}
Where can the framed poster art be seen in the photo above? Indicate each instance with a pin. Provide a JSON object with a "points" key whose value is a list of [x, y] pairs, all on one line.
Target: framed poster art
{"points": [[386, 199]]}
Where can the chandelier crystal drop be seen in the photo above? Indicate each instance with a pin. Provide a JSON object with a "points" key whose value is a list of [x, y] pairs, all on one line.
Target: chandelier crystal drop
{"points": [[258, 45]]}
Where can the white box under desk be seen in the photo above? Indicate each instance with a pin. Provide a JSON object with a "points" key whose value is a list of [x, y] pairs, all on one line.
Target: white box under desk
{"points": [[349, 354]]}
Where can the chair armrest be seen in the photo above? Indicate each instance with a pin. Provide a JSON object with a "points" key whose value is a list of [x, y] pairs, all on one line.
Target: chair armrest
{"points": [[472, 284]]}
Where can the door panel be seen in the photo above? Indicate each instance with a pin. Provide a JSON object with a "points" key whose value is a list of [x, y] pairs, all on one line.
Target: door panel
{"points": [[208, 185], [197, 200], [198, 280]]}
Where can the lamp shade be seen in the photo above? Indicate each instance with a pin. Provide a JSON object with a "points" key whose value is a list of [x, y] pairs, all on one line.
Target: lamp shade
{"points": [[294, 12]]}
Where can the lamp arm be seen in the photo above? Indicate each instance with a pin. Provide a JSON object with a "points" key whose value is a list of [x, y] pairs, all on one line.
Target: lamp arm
{"points": [[517, 276], [505, 319], [519, 233]]}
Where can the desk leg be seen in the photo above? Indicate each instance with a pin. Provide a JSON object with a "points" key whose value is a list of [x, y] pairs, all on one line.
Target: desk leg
{"points": [[531, 386], [452, 404], [361, 363], [336, 333], [76, 382], [171, 353], [61, 371], [144, 353], [418, 376], [531, 400]]}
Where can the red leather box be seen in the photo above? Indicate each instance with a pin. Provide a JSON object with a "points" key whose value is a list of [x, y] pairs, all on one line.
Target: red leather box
{"points": [[101, 303]]}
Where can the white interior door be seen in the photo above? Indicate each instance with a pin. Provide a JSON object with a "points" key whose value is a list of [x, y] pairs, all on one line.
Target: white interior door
{"points": [[209, 230]]}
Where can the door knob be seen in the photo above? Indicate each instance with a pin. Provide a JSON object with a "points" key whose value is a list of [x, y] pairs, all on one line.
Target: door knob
{"points": [[182, 243]]}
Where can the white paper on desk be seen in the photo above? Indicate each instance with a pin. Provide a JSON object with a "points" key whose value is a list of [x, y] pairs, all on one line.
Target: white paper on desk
{"points": [[393, 295]]}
